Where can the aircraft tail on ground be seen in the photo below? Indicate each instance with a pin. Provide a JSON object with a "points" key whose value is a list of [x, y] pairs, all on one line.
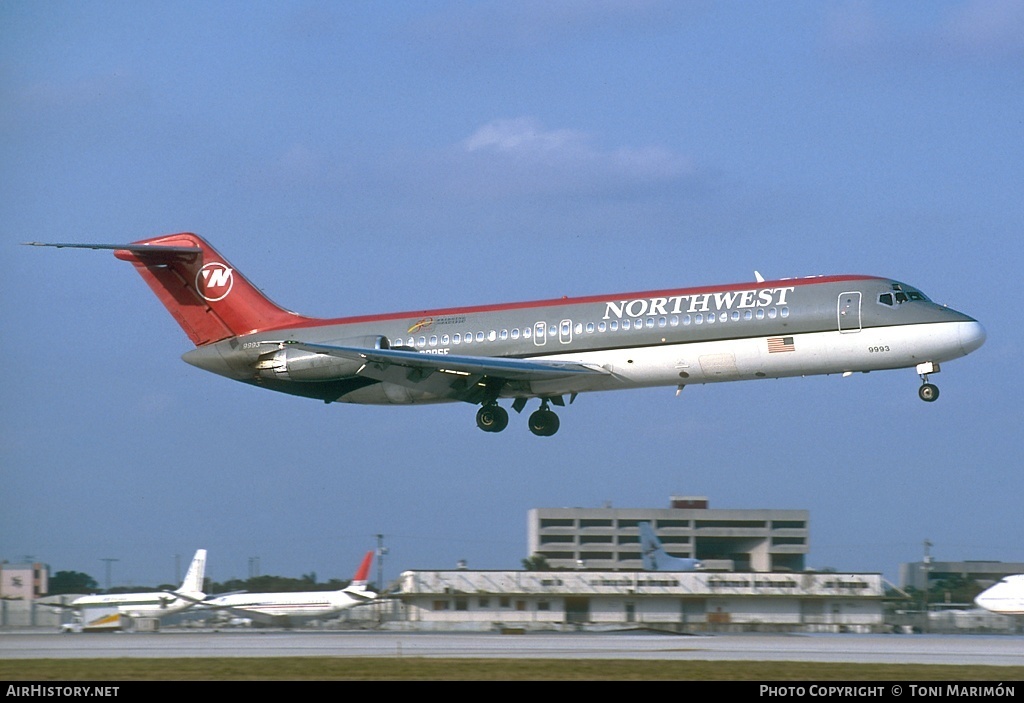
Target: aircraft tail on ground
{"points": [[202, 291], [655, 557], [193, 583], [362, 575]]}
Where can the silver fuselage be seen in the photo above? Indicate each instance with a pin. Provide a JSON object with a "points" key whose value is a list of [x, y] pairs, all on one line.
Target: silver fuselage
{"points": [[774, 329]]}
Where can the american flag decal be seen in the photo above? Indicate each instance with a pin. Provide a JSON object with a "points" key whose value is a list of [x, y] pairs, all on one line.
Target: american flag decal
{"points": [[780, 344]]}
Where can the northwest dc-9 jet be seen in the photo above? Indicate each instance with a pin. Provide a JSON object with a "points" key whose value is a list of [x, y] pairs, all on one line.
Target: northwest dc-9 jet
{"points": [[548, 349]]}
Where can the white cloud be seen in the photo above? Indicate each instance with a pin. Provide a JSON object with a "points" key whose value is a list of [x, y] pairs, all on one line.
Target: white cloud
{"points": [[988, 27], [523, 151]]}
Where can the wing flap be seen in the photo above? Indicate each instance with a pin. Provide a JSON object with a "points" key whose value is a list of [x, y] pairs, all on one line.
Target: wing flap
{"points": [[451, 375]]}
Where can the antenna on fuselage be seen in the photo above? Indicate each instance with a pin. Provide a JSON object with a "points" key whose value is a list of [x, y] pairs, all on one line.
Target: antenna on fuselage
{"points": [[758, 277]]}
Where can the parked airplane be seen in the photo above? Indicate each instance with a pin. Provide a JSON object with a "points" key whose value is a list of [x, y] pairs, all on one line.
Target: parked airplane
{"points": [[285, 609], [1005, 597], [548, 349], [655, 557], [98, 612]]}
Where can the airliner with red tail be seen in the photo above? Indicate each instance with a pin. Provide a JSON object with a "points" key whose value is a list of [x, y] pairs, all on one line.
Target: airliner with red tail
{"points": [[286, 609], [548, 349]]}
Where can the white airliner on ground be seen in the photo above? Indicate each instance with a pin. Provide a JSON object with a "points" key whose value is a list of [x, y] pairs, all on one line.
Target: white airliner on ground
{"points": [[286, 609], [548, 349], [98, 612], [1005, 597], [654, 556]]}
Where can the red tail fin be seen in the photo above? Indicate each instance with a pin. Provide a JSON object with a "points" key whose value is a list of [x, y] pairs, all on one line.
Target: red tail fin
{"points": [[362, 575], [209, 299]]}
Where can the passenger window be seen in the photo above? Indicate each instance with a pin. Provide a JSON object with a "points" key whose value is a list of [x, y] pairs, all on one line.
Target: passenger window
{"points": [[711, 317], [625, 324], [760, 313], [784, 311], [590, 327], [457, 338], [479, 336], [444, 340], [735, 315], [698, 319], [433, 340], [491, 336], [515, 333], [613, 325], [601, 326]]}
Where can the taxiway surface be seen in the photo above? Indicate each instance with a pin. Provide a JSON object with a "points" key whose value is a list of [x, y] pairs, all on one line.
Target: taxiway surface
{"points": [[996, 650]]}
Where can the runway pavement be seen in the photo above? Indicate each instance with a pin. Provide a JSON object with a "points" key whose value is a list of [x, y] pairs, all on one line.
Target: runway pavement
{"points": [[996, 650]]}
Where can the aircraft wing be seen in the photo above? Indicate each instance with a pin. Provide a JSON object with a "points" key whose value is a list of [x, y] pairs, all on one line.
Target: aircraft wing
{"points": [[58, 606], [451, 375]]}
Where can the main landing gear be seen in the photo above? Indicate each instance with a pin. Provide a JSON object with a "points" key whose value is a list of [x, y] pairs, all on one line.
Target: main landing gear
{"points": [[543, 422], [491, 417], [928, 392]]}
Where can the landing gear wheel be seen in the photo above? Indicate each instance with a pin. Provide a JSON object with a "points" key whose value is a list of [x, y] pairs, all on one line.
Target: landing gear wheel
{"points": [[928, 392], [492, 418], [543, 423]]}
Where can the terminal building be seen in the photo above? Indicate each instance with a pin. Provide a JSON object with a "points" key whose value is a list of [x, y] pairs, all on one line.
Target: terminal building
{"points": [[669, 601], [724, 540], [752, 577]]}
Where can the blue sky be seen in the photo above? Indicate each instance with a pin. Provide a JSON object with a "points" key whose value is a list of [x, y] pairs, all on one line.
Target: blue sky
{"points": [[353, 158]]}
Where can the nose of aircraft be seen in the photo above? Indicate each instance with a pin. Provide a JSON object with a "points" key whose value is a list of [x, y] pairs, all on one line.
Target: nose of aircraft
{"points": [[972, 336]]}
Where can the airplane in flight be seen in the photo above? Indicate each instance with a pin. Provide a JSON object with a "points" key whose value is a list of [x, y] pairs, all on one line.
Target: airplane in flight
{"points": [[655, 557], [1005, 597], [106, 612], [285, 609], [547, 349]]}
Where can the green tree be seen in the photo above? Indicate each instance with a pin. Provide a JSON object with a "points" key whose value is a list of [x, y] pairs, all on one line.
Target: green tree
{"points": [[72, 582], [537, 562]]}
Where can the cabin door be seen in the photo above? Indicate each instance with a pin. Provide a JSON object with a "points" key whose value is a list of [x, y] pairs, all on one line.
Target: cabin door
{"points": [[849, 311]]}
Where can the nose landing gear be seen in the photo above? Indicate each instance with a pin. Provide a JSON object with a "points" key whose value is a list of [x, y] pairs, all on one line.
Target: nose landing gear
{"points": [[928, 392]]}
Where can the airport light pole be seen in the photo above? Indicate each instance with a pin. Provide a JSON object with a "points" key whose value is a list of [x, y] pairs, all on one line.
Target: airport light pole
{"points": [[381, 551], [108, 561], [927, 580]]}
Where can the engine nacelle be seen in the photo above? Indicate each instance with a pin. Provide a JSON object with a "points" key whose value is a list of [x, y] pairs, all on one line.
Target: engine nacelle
{"points": [[300, 365]]}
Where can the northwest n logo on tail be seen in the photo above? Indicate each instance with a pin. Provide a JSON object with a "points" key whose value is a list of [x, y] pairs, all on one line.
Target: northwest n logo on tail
{"points": [[214, 281]]}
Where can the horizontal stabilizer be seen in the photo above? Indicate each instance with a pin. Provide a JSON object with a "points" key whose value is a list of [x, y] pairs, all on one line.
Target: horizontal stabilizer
{"points": [[151, 253]]}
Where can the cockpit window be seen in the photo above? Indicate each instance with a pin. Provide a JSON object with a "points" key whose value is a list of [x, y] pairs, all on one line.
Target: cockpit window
{"points": [[901, 294]]}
